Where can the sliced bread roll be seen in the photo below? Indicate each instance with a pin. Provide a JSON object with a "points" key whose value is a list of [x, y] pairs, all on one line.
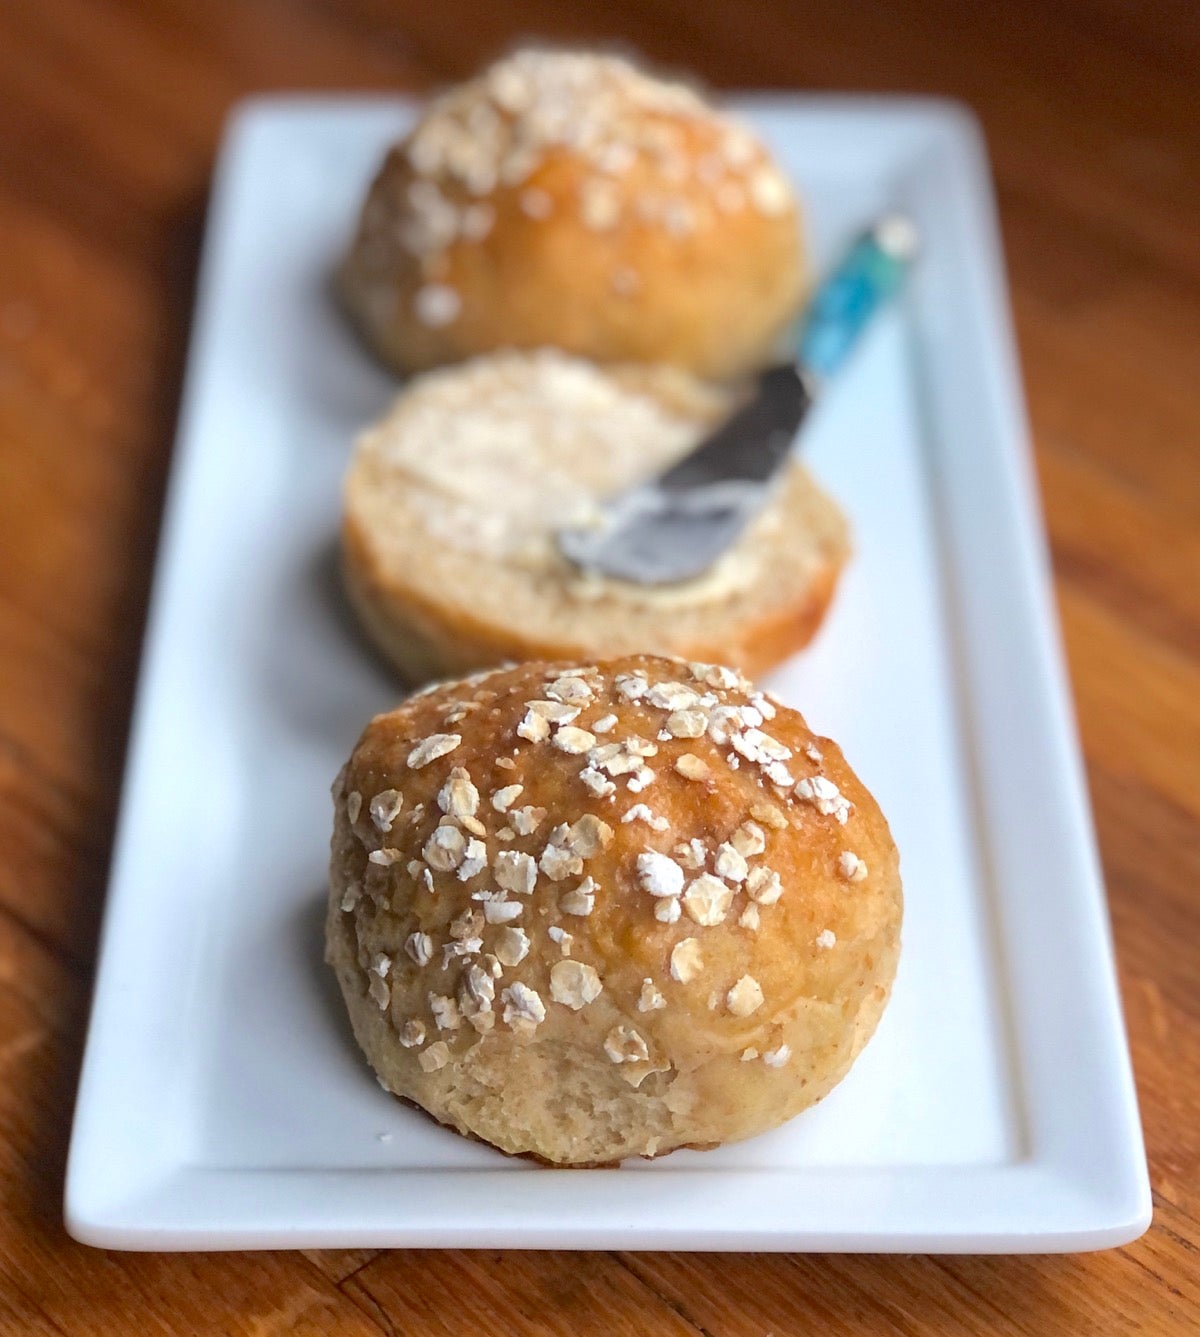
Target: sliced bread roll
{"points": [[452, 502]]}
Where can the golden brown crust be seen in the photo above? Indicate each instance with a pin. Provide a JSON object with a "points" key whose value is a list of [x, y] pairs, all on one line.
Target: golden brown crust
{"points": [[427, 640], [533, 1158], [452, 500], [731, 930], [680, 265]]}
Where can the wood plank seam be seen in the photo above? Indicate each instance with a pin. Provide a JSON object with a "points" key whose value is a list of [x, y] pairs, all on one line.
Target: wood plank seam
{"points": [[79, 966], [664, 1297]]}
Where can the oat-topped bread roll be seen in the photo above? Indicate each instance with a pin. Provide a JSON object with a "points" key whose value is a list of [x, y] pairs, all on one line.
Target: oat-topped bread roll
{"points": [[585, 913], [569, 199], [453, 500]]}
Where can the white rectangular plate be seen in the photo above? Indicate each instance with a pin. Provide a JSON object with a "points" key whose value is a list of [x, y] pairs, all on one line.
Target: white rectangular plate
{"points": [[223, 1104]]}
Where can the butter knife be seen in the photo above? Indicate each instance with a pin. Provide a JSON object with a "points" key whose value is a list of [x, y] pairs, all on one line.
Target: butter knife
{"points": [[673, 527]]}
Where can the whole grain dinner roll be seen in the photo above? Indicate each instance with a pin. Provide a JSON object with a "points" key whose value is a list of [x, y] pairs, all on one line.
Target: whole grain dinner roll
{"points": [[569, 199], [591, 912], [453, 500]]}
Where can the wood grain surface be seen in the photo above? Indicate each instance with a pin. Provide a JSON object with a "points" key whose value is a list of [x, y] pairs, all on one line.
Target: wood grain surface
{"points": [[110, 114]]}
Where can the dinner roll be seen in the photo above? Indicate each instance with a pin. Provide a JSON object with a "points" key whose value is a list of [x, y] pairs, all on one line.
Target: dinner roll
{"points": [[453, 500], [569, 199], [585, 913]]}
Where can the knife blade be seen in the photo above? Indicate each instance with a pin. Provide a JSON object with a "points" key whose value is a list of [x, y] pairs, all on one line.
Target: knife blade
{"points": [[674, 526]]}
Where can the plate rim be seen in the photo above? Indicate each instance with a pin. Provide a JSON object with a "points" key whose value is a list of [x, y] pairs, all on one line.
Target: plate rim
{"points": [[1086, 1215]]}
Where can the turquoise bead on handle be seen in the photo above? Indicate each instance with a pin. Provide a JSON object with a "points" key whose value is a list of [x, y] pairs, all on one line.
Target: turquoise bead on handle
{"points": [[842, 306]]}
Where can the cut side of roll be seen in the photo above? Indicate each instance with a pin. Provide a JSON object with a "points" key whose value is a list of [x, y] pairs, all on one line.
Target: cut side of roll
{"points": [[452, 502]]}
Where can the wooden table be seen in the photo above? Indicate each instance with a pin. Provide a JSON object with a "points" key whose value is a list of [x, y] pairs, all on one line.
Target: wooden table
{"points": [[109, 117]]}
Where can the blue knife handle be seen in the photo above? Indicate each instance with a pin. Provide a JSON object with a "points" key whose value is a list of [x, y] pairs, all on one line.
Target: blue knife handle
{"points": [[843, 305]]}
